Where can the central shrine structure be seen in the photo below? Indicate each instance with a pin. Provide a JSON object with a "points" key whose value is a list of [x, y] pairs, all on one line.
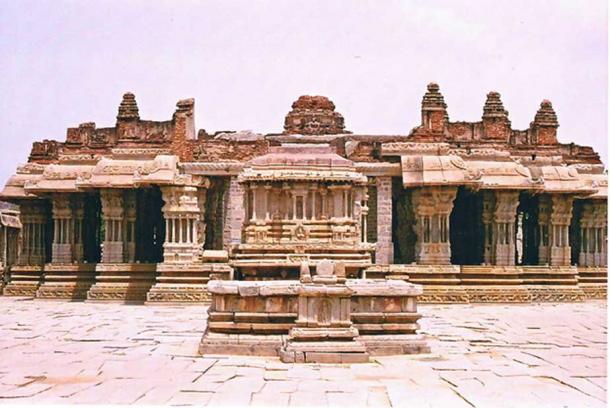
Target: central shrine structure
{"points": [[151, 211]]}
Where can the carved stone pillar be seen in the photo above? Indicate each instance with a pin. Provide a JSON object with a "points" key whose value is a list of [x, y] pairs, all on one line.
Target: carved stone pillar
{"points": [[360, 211], [129, 226], [26, 275], [601, 214], [32, 248], [186, 267], [385, 247], [183, 215], [593, 233], [113, 216], [67, 276], [200, 225], [544, 220], [432, 207], [235, 214], [560, 218], [587, 222], [62, 229], [489, 206], [78, 215], [506, 203]]}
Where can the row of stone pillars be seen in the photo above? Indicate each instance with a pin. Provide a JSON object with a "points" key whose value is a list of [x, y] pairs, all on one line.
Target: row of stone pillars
{"points": [[119, 216], [593, 234], [312, 202], [432, 207]]}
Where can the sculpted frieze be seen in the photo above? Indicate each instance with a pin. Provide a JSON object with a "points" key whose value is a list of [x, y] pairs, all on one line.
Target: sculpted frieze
{"points": [[397, 148]]}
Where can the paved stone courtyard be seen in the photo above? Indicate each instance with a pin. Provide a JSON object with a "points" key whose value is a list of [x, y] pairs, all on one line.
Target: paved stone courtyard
{"points": [[550, 355]]}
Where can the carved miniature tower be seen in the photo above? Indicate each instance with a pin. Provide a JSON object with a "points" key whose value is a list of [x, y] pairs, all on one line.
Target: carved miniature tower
{"points": [[128, 117], [434, 115], [496, 125], [314, 115], [545, 124]]}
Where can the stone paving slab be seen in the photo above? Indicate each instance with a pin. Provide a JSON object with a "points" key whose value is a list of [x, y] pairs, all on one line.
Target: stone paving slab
{"points": [[542, 355]]}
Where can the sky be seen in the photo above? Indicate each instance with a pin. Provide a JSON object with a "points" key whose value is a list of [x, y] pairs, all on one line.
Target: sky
{"points": [[67, 62]]}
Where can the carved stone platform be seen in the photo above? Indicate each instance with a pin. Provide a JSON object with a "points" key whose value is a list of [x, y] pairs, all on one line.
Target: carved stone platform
{"points": [[122, 282], [314, 320], [593, 280], [441, 283], [67, 281], [265, 261], [496, 284], [186, 283], [497, 294], [24, 280]]}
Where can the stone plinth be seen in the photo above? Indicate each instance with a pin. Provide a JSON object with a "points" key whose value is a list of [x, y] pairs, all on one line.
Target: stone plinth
{"points": [[491, 284], [593, 280], [494, 284], [324, 332], [24, 280], [66, 281], [552, 284], [441, 283], [260, 318], [184, 283], [122, 282]]}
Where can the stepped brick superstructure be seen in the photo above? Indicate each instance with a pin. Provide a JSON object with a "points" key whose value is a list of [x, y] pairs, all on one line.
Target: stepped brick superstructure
{"points": [[151, 211]]}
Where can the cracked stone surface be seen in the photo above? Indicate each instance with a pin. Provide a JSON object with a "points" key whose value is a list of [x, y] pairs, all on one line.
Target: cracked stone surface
{"points": [[548, 355]]}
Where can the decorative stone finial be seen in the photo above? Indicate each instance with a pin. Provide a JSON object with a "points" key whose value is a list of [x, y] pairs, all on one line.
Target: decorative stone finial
{"points": [[543, 129], [314, 115], [493, 106], [128, 109], [434, 109]]}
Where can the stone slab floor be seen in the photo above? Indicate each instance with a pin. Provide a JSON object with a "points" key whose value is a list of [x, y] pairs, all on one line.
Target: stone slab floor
{"points": [[550, 355]]}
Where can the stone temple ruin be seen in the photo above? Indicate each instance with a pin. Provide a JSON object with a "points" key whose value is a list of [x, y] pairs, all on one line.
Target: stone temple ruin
{"points": [[160, 212]]}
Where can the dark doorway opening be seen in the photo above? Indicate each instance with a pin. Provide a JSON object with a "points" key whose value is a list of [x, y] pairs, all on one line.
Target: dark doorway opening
{"points": [[403, 223], [528, 232], [214, 212], [150, 225], [575, 235], [92, 228], [466, 228]]}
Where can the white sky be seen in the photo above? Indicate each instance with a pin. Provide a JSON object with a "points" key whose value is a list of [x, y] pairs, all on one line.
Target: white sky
{"points": [[67, 62]]}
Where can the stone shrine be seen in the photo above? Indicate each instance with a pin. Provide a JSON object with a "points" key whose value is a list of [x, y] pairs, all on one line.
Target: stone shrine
{"points": [[158, 211]]}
